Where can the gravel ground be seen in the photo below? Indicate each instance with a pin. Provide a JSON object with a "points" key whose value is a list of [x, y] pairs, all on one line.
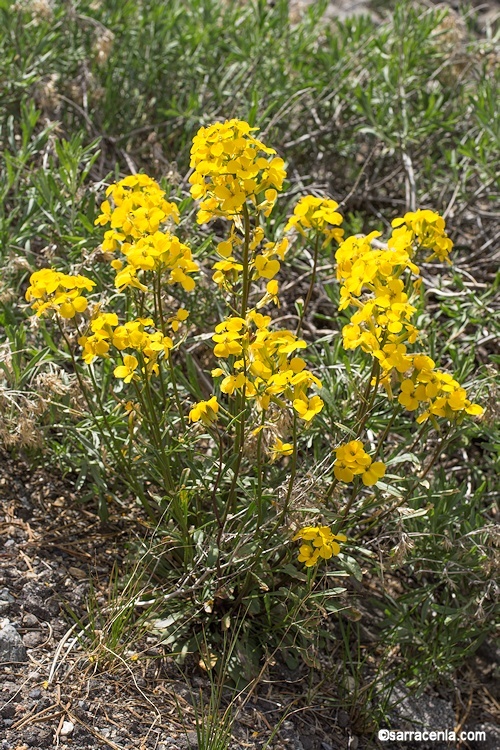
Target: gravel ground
{"points": [[52, 690]]}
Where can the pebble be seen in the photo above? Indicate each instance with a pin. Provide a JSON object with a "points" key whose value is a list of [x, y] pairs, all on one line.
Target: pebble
{"points": [[11, 645], [343, 719], [35, 693], [30, 621], [67, 728], [33, 639]]}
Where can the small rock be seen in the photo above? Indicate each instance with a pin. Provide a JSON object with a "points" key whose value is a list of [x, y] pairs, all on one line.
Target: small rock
{"points": [[343, 719], [35, 606], [12, 691], [11, 645], [33, 639], [67, 728], [309, 741], [38, 738], [425, 710], [30, 621], [43, 703], [6, 596], [82, 735], [8, 711], [35, 693]]}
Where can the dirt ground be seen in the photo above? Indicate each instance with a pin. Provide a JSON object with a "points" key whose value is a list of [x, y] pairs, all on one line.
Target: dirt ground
{"points": [[53, 691]]}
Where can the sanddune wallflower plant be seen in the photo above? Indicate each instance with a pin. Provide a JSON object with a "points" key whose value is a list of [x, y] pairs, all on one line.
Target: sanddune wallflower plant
{"points": [[213, 429]]}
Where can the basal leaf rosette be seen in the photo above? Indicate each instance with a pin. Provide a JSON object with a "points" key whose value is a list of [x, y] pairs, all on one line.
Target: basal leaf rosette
{"points": [[232, 167]]}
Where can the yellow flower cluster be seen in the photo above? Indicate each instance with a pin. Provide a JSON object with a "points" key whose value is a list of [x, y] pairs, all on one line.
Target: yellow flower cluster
{"points": [[384, 318], [440, 393], [264, 261], [162, 252], [52, 290], [319, 215], [139, 210], [320, 542], [105, 332], [424, 229], [376, 281], [261, 364], [232, 167], [352, 460]]}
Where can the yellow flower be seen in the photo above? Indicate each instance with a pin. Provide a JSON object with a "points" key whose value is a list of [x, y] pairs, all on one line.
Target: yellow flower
{"points": [[205, 411], [280, 448], [69, 304], [352, 459], [127, 370], [231, 383], [321, 542], [307, 408], [265, 267]]}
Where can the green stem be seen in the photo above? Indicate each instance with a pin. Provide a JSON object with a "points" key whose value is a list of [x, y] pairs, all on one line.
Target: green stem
{"points": [[245, 263], [395, 413], [291, 481], [349, 505], [293, 470], [176, 392], [260, 470], [311, 286], [369, 407], [108, 439], [241, 399], [155, 430]]}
